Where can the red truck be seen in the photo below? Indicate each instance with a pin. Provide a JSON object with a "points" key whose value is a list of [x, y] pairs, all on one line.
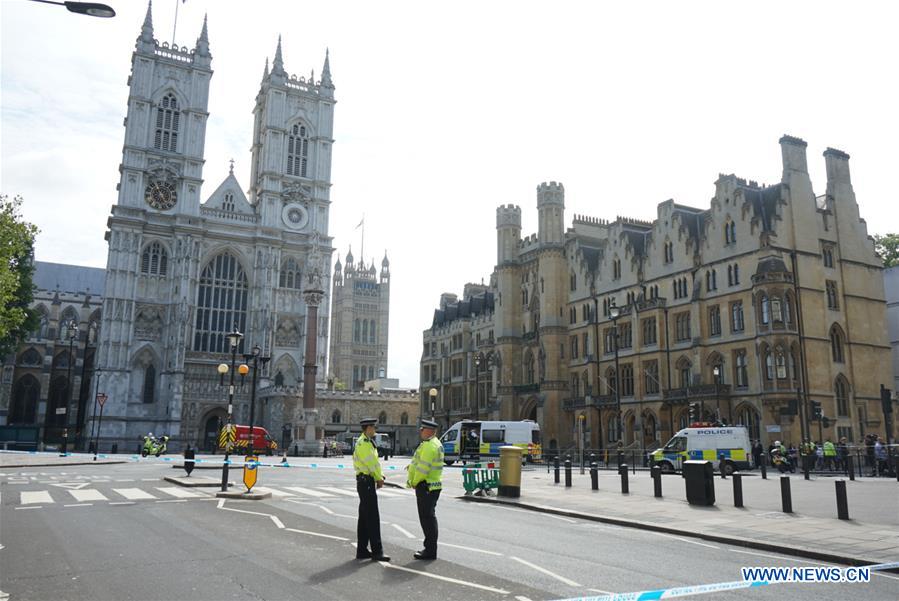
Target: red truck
{"points": [[262, 442]]}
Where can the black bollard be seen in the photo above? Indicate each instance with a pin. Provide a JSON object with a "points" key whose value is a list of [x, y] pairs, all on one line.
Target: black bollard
{"points": [[738, 489], [763, 468], [722, 465], [567, 471], [850, 466], [115, 448], [656, 473], [620, 458], [842, 502], [786, 499], [594, 473], [556, 467], [805, 468], [622, 471], [189, 455]]}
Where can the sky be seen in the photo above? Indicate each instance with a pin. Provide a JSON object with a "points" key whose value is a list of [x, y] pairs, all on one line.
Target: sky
{"points": [[447, 110]]}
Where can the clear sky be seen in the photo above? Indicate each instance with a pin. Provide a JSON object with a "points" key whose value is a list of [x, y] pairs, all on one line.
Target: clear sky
{"points": [[446, 110]]}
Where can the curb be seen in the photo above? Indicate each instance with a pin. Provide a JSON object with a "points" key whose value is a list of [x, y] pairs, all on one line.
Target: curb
{"points": [[194, 483], [740, 542]]}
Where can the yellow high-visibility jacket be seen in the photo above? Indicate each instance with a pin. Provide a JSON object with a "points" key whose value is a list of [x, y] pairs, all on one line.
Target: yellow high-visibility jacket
{"points": [[365, 458], [427, 465]]}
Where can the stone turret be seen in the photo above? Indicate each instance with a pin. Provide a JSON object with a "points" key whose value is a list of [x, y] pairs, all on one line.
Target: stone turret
{"points": [[508, 233], [551, 212]]}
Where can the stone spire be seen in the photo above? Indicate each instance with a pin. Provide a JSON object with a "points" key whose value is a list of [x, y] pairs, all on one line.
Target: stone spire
{"points": [[278, 64], [203, 40], [265, 71], [326, 72], [146, 31]]}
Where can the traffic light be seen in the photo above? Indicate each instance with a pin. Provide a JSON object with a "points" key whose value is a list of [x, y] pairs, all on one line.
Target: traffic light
{"points": [[885, 400], [694, 412], [817, 414]]}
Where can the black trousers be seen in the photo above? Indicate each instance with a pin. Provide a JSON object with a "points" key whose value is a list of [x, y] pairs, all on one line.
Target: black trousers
{"points": [[427, 517], [368, 527]]}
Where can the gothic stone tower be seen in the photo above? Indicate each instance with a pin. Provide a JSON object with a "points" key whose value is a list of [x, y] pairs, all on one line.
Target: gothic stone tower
{"points": [[360, 316], [182, 273]]}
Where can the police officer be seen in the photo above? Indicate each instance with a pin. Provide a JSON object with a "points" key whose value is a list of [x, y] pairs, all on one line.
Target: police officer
{"points": [[368, 480], [424, 476]]}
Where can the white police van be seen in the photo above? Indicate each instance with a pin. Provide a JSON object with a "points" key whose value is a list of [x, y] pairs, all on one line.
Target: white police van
{"points": [[478, 439], [707, 443]]}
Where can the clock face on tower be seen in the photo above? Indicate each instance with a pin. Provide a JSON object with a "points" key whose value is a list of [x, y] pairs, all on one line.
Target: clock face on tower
{"points": [[161, 195]]}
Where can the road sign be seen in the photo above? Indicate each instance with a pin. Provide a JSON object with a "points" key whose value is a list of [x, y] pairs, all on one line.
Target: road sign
{"points": [[60, 411], [101, 398], [250, 471]]}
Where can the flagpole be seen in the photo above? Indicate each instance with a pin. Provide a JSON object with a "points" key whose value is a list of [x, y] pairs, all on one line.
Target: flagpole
{"points": [[362, 249], [175, 26]]}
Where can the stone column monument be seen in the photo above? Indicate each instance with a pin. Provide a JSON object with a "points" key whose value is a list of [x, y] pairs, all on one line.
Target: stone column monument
{"points": [[308, 418]]}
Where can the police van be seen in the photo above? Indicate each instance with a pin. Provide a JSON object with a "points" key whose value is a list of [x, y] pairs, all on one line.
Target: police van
{"points": [[706, 443], [471, 439]]}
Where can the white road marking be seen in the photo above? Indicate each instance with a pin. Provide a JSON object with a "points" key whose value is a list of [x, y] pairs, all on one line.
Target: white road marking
{"points": [[275, 492], [30, 507], [172, 501], [179, 493], [149, 479], [308, 491], [687, 540], [71, 485], [548, 573], [133, 494], [443, 544], [222, 503], [277, 522], [88, 494], [36, 496], [404, 531], [126, 480], [322, 507], [78, 505], [122, 503], [599, 590], [339, 491], [522, 598], [559, 517], [317, 534], [445, 578]]}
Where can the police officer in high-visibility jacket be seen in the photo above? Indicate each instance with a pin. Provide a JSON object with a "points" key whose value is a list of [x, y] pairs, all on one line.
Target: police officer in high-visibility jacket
{"points": [[368, 479], [424, 476]]}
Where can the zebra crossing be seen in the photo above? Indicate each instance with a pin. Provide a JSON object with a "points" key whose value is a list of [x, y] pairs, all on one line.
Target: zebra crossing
{"points": [[77, 494]]}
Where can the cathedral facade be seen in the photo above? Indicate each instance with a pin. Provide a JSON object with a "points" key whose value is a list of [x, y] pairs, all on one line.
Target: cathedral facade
{"points": [[184, 271]]}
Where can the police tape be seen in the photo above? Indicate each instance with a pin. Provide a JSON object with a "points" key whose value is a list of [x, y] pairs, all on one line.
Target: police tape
{"points": [[702, 589]]}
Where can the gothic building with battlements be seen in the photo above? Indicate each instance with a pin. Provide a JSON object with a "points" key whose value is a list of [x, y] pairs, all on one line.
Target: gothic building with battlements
{"points": [[746, 312]]}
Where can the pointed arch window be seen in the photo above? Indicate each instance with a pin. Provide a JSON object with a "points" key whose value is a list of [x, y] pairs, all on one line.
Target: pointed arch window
{"points": [[669, 251], [371, 332], [31, 358], [228, 202], [769, 363], [335, 416], [730, 232], [765, 309], [25, 396], [780, 362], [741, 376], [297, 150], [290, 276], [616, 269], [154, 260], [613, 429], [168, 118], [836, 344], [357, 330], [148, 392], [841, 392], [221, 304], [382, 418], [404, 419]]}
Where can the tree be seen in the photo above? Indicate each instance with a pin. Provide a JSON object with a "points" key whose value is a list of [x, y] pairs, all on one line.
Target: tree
{"points": [[16, 270], [887, 248]]}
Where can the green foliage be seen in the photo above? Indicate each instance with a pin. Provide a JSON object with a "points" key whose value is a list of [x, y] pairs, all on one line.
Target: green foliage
{"points": [[887, 247], [16, 270]]}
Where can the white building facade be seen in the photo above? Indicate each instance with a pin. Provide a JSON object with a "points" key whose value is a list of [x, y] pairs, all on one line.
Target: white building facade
{"points": [[183, 272]]}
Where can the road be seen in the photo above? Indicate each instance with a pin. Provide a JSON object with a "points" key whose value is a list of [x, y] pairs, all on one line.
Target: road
{"points": [[121, 533]]}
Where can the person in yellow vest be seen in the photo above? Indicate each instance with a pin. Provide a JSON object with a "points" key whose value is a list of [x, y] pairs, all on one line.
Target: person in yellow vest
{"points": [[830, 454], [424, 476], [368, 480]]}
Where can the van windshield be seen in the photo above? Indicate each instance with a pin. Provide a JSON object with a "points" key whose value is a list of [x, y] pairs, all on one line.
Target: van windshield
{"points": [[678, 443], [450, 436]]}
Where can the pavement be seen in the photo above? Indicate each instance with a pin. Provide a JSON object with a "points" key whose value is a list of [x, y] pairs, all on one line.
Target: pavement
{"points": [[19, 459], [141, 537], [812, 530]]}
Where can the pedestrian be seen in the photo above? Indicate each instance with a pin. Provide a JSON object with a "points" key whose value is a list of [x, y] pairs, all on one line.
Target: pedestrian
{"points": [[830, 454], [870, 439], [368, 480], [757, 451], [843, 454], [424, 474], [880, 455], [807, 452], [819, 456]]}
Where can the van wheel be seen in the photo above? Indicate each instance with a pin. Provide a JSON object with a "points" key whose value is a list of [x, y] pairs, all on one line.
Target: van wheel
{"points": [[666, 467], [449, 461], [729, 468]]}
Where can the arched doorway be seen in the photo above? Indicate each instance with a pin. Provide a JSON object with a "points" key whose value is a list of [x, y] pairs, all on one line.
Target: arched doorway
{"points": [[529, 410], [651, 433], [212, 425], [629, 436], [749, 417]]}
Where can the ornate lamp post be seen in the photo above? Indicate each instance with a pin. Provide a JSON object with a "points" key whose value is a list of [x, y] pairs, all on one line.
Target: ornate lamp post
{"points": [[478, 359], [615, 313], [716, 373], [234, 339], [257, 359], [72, 335]]}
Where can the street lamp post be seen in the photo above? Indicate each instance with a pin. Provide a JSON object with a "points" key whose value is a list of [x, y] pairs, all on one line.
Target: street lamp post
{"points": [[477, 386], [234, 339], [615, 313], [432, 395], [716, 372], [257, 359], [91, 9], [72, 335]]}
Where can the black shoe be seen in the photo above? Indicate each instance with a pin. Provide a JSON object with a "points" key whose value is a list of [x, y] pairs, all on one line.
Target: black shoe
{"points": [[380, 557], [363, 554], [424, 555]]}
